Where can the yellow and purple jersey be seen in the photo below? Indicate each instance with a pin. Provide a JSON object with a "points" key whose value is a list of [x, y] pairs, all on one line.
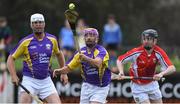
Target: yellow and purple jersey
{"points": [[37, 55], [91, 74]]}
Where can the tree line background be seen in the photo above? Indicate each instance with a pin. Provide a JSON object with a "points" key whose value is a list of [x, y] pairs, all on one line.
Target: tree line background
{"points": [[133, 15]]}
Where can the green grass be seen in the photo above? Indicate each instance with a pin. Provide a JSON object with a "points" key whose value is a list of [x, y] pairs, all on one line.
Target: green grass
{"points": [[18, 64]]}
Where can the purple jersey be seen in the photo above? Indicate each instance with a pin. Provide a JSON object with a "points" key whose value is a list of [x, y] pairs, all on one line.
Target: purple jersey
{"points": [[37, 55], [90, 74]]}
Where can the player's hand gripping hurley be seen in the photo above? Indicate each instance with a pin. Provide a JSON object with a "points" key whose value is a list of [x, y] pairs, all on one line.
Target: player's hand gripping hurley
{"points": [[72, 17]]}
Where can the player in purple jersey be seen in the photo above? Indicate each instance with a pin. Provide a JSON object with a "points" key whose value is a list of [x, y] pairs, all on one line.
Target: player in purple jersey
{"points": [[93, 61], [37, 50]]}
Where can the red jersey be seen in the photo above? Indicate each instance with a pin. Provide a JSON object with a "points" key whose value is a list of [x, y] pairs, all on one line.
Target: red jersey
{"points": [[144, 64]]}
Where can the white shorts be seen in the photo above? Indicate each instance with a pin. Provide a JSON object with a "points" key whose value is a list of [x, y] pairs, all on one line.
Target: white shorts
{"points": [[138, 88], [146, 92], [91, 92], [42, 88]]}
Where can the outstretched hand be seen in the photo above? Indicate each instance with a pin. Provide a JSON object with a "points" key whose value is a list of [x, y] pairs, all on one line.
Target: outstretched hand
{"points": [[56, 72]]}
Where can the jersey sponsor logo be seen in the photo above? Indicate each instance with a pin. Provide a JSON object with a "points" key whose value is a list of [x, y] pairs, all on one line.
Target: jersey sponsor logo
{"points": [[48, 46], [33, 47], [83, 51], [43, 58], [91, 70]]}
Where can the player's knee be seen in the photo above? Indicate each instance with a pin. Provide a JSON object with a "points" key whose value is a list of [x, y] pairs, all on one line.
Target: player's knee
{"points": [[53, 98], [24, 98]]}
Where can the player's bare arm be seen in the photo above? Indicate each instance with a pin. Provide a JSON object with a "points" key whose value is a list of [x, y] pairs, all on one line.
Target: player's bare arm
{"points": [[120, 67], [12, 70], [63, 70], [171, 69], [95, 62], [61, 61], [60, 58]]}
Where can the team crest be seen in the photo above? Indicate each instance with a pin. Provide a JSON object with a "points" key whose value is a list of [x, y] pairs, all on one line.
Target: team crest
{"points": [[154, 60], [48, 46]]}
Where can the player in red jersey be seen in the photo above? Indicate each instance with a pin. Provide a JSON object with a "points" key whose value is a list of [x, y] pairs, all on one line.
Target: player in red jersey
{"points": [[144, 60]]}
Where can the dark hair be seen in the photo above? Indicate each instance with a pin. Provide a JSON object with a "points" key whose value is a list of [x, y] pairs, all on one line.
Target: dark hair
{"points": [[150, 32], [111, 16]]}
